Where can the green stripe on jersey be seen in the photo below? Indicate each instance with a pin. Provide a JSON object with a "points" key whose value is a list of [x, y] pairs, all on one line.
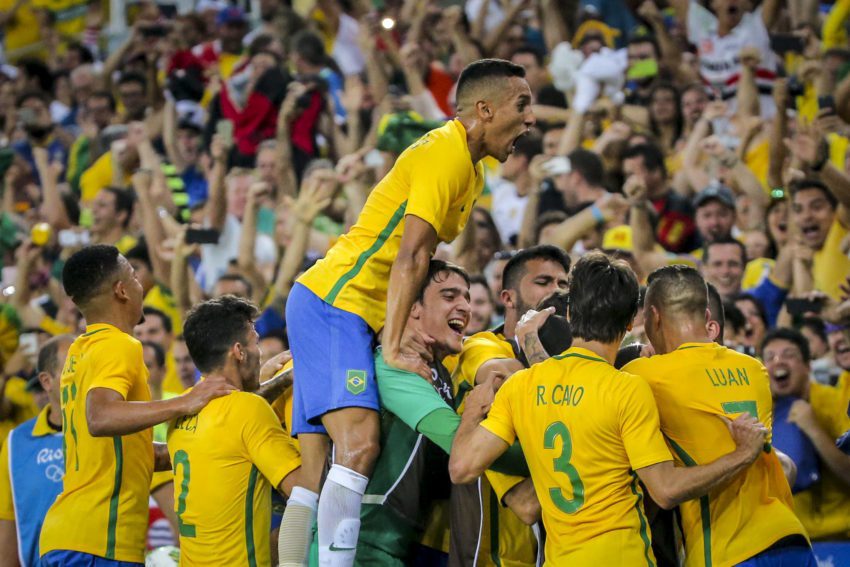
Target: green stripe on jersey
{"points": [[366, 254], [249, 517], [113, 501], [704, 510], [644, 534]]}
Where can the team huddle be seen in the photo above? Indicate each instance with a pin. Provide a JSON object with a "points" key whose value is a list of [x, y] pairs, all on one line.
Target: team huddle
{"points": [[390, 434]]}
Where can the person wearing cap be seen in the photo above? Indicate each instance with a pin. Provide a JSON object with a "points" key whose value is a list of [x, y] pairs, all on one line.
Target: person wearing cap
{"points": [[222, 54], [32, 464], [715, 213], [183, 125]]}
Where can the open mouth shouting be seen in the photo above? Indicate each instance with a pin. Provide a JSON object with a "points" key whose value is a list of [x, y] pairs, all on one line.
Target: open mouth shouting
{"points": [[781, 379], [458, 324]]}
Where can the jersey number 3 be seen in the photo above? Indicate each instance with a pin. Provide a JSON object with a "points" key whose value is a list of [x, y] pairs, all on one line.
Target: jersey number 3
{"points": [[562, 465]]}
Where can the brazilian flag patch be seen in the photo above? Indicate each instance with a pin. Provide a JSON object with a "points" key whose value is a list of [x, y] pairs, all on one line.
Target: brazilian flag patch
{"points": [[355, 381]]}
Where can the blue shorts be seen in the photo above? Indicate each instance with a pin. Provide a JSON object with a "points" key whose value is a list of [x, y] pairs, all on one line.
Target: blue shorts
{"points": [[332, 357], [783, 557], [64, 558]]}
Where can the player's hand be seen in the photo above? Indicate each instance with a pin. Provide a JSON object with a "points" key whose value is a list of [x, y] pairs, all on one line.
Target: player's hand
{"points": [[480, 399], [204, 392], [802, 415], [414, 353], [274, 365], [531, 322], [749, 436]]}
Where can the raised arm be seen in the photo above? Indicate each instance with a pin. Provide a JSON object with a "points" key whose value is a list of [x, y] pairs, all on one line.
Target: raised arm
{"points": [[216, 210], [52, 208], [570, 231], [246, 259], [778, 133], [169, 135], [670, 485]]}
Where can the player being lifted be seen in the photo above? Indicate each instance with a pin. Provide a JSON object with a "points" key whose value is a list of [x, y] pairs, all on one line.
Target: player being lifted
{"points": [[367, 282], [589, 432]]}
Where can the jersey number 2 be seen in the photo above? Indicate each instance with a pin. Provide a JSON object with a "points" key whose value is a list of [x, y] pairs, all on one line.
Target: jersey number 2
{"points": [[562, 465], [182, 458]]}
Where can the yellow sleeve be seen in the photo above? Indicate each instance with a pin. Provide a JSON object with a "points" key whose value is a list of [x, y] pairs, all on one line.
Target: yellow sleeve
{"points": [[264, 438], [499, 421], [160, 478], [117, 369], [95, 178], [433, 187], [25, 406], [502, 483], [640, 426], [7, 506], [833, 32], [53, 327]]}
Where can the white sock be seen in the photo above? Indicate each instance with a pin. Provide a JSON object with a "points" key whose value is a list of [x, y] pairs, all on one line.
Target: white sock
{"points": [[293, 544], [339, 516]]}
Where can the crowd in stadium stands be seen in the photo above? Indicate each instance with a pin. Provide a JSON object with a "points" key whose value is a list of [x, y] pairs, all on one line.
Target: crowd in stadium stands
{"points": [[220, 153]]}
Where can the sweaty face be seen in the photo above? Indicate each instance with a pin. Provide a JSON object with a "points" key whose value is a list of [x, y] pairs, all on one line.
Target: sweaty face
{"points": [[542, 277], [714, 220], [444, 312], [813, 213], [511, 117], [784, 363], [481, 309], [724, 268]]}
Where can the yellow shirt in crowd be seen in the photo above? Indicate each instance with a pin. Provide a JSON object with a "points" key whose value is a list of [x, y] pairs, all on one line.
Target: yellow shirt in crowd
{"points": [[694, 386], [103, 509], [584, 427], [435, 180], [831, 267], [226, 459]]}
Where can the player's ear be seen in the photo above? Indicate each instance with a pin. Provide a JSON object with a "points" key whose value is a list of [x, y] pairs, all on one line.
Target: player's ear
{"points": [[712, 329], [507, 297], [238, 352], [416, 310], [120, 290], [484, 110]]}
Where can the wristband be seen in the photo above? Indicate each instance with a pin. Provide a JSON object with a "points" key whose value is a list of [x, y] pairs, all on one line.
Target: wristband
{"points": [[597, 214]]}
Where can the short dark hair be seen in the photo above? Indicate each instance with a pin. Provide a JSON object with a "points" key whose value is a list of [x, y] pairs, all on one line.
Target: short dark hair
{"points": [[140, 252], [589, 165], [213, 326], [86, 55], [677, 288], [437, 267], [529, 145], [627, 354], [755, 301], [132, 77], [309, 46], [123, 203], [725, 240], [515, 268], [48, 354], [153, 311], [603, 298], [483, 70], [790, 335], [32, 94], [237, 278], [546, 219], [88, 270], [734, 317], [653, 157], [806, 184], [559, 299], [480, 280], [158, 352], [715, 306], [645, 38], [528, 49]]}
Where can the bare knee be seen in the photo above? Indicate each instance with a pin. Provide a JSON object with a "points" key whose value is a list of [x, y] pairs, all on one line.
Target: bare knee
{"points": [[356, 437]]}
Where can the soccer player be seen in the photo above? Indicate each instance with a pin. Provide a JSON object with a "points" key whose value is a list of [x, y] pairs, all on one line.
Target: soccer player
{"points": [[31, 464], [101, 516], [227, 457], [589, 432], [695, 381], [368, 281], [529, 276]]}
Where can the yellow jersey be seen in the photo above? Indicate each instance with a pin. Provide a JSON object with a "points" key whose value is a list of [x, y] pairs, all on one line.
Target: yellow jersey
{"points": [[69, 15], [225, 461], [830, 267], [694, 386], [23, 406], [584, 428], [103, 508], [21, 34], [435, 180], [823, 507], [504, 539]]}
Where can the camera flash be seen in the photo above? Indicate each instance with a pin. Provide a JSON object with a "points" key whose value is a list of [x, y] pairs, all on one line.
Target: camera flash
{"points": [[388, 23]]}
